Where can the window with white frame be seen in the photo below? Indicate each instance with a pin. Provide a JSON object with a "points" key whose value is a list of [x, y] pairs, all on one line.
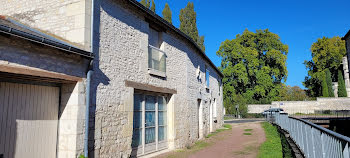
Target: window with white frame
{"points": [[206, 76], [150, 123], [156, 57]]}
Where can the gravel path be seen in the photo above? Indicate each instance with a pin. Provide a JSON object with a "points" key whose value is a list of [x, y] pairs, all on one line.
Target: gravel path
{"points": [[234, 143]]}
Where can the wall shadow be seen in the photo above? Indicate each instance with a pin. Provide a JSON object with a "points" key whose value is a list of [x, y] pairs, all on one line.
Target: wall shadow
{"points": [[97, 78]]}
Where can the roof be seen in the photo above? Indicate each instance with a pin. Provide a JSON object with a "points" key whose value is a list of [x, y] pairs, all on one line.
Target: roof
{"points": [[346, 35], [11, 27], [160, 21]]}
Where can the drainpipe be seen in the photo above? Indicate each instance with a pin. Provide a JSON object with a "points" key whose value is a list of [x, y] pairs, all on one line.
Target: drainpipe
{"points": [[88, 84], [87, 112]]}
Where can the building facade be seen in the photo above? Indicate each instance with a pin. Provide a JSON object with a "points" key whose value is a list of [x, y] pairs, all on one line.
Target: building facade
{"points": [[153, 89], [41, 94], [346, 62]]}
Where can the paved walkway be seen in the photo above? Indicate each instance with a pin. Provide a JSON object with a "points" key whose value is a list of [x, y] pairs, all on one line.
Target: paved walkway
{"points": [[242, 141]]}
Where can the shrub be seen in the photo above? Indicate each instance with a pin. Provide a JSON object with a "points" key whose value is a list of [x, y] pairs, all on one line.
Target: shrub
{"points": [[341, 85]]}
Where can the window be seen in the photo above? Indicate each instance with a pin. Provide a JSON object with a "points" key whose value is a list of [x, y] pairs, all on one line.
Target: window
{"points": [[219, 85], [150, 123], [206, 77], [156, 57], [214, 109]]}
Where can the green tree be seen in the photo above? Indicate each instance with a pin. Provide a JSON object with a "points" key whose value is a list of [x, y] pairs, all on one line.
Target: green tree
{"points": [[153, 7], [324, 87], [143, 2], [329, 83], [326, 53], [254, 67], [188, 24], [295, 93], [148, 4], [341, 85], [201, 43], [167, 13]]}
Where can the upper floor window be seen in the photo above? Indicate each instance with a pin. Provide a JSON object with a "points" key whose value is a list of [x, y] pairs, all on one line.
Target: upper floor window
{"points": [[156, 57], [219, 85], [206, 76]]}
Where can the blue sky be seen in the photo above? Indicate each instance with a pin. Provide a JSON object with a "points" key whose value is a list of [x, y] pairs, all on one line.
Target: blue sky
{"points": [[298, 22]]}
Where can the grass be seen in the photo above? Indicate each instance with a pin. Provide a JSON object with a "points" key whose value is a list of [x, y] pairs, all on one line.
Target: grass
{"points": [[247, 133], [272, 146], [227, 118], [247, 130], [247, 150], [226, 127]]}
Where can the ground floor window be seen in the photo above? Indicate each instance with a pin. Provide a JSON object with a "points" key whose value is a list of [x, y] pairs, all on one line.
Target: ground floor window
{"points": [[150, 123]]}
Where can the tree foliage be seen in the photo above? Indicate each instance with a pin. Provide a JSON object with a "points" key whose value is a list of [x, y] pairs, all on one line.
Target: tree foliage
{"points": [[153, 7], [254, 67], [324, 87], [326, 53], [167, 13], [143, 2], [294, 93], [188, 24], [341, 85], [146, 3], [329, 83]]}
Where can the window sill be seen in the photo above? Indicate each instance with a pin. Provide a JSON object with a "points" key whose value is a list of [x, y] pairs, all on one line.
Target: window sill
{"points": [[156, 72]]}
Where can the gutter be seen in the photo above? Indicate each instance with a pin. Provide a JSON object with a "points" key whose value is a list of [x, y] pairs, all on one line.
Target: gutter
{"points": [[38, 32], [45, 41], [88, 85]]}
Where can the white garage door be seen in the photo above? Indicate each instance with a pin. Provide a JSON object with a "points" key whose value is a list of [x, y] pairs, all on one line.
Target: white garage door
{"points": [[28, 120]]}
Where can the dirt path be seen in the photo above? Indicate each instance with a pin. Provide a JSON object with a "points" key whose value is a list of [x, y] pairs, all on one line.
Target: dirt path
{"points": [[242, 141]]}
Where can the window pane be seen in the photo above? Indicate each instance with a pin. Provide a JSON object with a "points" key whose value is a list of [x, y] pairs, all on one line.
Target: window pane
{"points": [[138, 102], [162, 63], [207, 77], [150, 118], [150, 135], [156, 59], [150, 102], [161, 103], [153, 37], [162, 118], [161, 133], [136, 138], [137, 123]]}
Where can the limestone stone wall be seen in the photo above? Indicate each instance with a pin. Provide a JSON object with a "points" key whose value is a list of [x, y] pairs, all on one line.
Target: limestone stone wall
{"points": [[293, 107], [68, 19], [72, 120], [24, 54], [123, 57], [346, 75]]}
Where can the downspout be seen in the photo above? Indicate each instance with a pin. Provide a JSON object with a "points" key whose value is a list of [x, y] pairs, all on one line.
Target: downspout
{"points": [[88, 85]]}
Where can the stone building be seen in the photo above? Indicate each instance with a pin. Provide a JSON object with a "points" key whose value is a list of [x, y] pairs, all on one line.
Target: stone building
{"points": [[346, 62], [152, 89], [41, 83]]}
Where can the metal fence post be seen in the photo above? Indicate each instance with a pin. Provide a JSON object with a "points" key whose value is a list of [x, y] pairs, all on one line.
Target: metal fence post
{"points": [[346, 151]]}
